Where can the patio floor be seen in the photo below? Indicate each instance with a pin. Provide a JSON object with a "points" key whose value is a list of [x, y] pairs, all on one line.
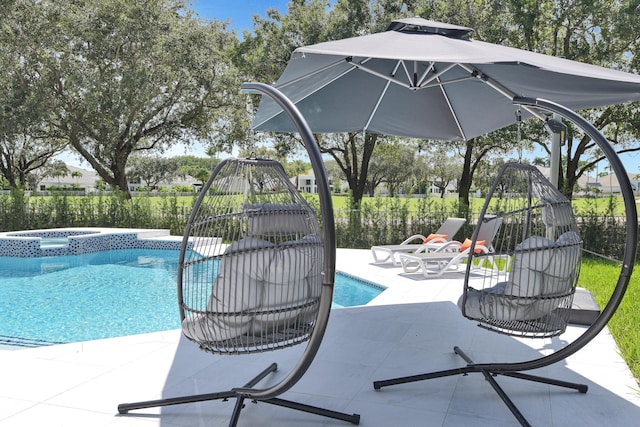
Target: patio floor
{"points": [[410, 329]]}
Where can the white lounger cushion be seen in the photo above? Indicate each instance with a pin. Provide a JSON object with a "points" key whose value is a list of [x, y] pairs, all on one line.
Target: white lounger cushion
{"points": [[539, 267]]}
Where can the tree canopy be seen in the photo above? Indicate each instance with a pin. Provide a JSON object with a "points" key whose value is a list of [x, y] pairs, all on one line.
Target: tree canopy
{"points": [[116, 79], [27, 141], [125, 77]]}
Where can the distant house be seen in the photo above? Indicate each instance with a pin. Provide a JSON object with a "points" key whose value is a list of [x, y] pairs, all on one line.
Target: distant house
{"points": [[608, 184], [187, 181], [307, 183], [87, 180], [78, 177]]}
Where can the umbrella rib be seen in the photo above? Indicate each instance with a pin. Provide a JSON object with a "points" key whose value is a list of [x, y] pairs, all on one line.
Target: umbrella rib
{"points": [[448, 82], [426, 72], [452, 111], [508, 93], [438, 74], [313, 73], [360, 66], [406, 72], [375, 109]]}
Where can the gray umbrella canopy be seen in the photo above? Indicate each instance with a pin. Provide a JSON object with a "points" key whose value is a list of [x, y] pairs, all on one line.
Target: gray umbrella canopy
{"points": [[426, 79]]}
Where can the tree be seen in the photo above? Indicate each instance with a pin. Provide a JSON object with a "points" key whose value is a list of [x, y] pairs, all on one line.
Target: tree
{"points": [[598, 32], [291, 168], [335, 175], [199, 168], [444, 169], [153, 170], [296, 167], [54, 169], [57, 169], [475, 150], [77, 175], [201, 175], [541, 161], [27, 143], [21, 155], [133, 77], [352, 153], [263, 56], [392, 163]]}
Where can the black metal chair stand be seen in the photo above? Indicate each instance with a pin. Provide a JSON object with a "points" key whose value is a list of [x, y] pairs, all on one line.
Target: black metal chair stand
{"points": [[541, 247], [240, 400], [257, 269], [490, 372]]}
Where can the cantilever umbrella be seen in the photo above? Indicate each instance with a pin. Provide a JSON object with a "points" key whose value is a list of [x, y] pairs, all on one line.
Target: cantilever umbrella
{"points": [[428, 80]]}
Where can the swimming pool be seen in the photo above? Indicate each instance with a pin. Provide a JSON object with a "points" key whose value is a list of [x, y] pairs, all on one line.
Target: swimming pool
{"points": [[61, 299]]}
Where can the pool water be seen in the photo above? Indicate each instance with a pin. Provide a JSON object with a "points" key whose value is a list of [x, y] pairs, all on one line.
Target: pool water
{"points": [[106, 294], [349, 291]]}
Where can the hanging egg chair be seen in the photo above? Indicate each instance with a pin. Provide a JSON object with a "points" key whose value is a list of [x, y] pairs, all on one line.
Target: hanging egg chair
{"points": [[540, 242], [256, 235], [528, 282], [257, 269]]}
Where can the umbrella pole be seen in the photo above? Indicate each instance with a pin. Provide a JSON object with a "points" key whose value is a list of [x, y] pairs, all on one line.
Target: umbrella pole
{"points": [[558, 131]]}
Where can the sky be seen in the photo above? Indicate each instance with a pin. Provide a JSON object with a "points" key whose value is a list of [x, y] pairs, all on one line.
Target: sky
{"points": [[239, 12]]}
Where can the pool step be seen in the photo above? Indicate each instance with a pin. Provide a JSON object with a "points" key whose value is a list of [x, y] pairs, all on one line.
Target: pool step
{"points": [[25, 342]]}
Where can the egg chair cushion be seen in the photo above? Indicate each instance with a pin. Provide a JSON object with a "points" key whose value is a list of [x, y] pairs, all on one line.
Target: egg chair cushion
{"points": [[542, 272], [292, 282], [236, 292], [276, 219], [260, 287]]}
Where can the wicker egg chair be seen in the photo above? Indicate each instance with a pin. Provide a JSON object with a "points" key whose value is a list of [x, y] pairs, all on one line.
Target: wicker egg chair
{"points": [[528, 282], [540, 242], [256, 271]]}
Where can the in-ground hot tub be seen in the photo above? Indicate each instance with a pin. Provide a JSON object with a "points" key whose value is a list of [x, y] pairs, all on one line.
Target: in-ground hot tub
{"points": [[78, 241]]}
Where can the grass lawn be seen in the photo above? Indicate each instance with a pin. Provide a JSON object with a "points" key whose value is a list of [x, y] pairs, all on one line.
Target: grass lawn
{"points": [[580, 205], [600, 277], [341, 202]]}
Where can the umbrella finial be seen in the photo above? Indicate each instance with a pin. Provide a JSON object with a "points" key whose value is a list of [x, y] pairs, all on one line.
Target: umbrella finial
{"points": [[421, 25]]}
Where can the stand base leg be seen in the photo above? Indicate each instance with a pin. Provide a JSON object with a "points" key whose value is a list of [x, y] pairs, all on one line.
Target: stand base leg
{"points": [[225, 395], [489, 376]]}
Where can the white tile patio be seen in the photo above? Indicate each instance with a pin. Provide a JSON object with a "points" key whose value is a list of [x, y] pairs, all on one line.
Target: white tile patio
{"points": [[411, 328]]}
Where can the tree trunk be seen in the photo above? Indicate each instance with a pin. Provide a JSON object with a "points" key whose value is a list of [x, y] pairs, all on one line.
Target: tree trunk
{"points": [[353, 164], [121, 181], [464, 185]]}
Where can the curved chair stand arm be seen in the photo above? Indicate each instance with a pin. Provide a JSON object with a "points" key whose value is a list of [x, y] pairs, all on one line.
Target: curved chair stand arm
{"points": [[630, 249], [328, 226], [268, 395]]}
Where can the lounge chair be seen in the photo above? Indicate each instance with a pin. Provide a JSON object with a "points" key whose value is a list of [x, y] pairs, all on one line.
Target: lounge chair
{"points": [[450, 255], [435, 241]]}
